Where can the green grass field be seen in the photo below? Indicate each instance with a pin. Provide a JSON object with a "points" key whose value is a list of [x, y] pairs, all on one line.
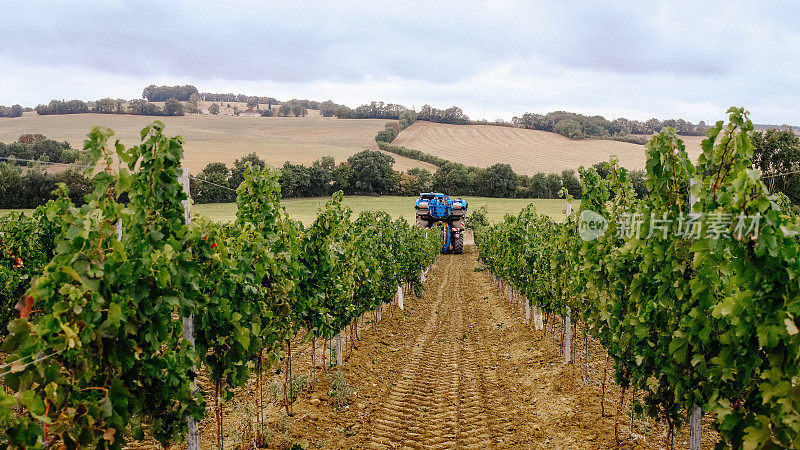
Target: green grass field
{"points": [[305, 209]]}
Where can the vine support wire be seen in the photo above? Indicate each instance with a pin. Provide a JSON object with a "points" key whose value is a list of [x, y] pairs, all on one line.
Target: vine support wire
{"points": [[193, 436]]}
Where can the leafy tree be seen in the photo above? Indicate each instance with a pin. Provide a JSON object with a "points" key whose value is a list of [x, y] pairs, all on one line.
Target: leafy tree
{"points": [[571, 183], [214, 109], [218, 174], [155, 93], [62, 107], [372, 173], [267, 113], [639, 183], [299, 110], [295, 180], [553, 185], [105, 106], [499, 180], [537, 186], [322, 177], [569, 128], [416, 181], [77, 186], [284, 110], [776, 152], [237, 173], [452, 178], [143, 108], [10, 184], [341, 177], [387, 135], [407, 118], [14, 111], [31, 138], [173, 107], [328, 108]]}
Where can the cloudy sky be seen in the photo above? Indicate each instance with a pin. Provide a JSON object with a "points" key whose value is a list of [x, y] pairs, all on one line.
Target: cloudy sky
{"points": [[495, 59]]}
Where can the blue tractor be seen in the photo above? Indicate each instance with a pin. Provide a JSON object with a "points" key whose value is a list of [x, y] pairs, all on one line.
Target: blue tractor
{"points": [[434, 208]]}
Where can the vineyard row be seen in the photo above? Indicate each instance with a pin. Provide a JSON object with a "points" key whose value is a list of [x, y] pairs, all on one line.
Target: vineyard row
{"points": [[98, 354], [706, 321]]}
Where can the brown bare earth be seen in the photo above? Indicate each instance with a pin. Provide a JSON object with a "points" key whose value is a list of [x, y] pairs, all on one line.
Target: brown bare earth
{"points": [[458, 368], [528, 151], [211, 138]]}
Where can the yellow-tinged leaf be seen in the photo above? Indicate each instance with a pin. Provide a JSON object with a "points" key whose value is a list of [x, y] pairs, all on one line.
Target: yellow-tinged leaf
{"points": [[791, 328], [71, 272], [18, 366]]}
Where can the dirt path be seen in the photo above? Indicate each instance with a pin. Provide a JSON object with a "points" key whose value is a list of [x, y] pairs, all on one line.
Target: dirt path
{"points": [[459, 368]]}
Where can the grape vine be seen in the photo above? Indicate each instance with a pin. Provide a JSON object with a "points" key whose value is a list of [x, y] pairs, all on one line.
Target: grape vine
{"points": [[97, 355], [690, 315]]}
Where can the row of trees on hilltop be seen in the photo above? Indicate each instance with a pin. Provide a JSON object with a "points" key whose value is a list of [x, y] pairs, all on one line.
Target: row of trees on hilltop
{"points": [[172, 107], [571, 125], [381, 110], [215, 97], [155, 93], [11, 111], [579, 126]]}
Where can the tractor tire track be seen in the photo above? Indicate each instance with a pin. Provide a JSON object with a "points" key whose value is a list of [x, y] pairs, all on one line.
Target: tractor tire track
{"points": [[442, 400]]}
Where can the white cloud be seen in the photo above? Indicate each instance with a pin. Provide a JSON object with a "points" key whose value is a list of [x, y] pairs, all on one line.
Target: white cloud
{"points": [[662, 59]]}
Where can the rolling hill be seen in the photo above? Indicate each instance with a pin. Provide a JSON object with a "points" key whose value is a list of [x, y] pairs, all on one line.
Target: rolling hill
{"points": [[527, 151], [223, 138]]}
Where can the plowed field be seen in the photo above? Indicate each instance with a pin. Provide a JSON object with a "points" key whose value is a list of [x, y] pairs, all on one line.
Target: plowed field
{"points": [[527, 151]]}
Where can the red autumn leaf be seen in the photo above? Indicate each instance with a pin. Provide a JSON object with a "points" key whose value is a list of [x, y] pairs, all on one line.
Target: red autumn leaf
{"points": [[17, 263], [24, 306], [214, 245]]}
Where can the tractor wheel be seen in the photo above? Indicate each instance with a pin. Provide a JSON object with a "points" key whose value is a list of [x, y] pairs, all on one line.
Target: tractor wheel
{"points": [[458, 244]]}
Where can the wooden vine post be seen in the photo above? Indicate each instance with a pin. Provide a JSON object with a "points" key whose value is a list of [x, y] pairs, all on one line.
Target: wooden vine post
{"points": [[193, 436], [339, 348], [567, 321], [695, 419], [400, 296]]}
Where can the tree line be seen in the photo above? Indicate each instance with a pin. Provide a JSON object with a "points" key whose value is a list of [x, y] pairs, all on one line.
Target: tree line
{"points": [[579, 126], [26, 184], [155, 93], [172, 107], [370, 172], [571, 125], [11, 111]]}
